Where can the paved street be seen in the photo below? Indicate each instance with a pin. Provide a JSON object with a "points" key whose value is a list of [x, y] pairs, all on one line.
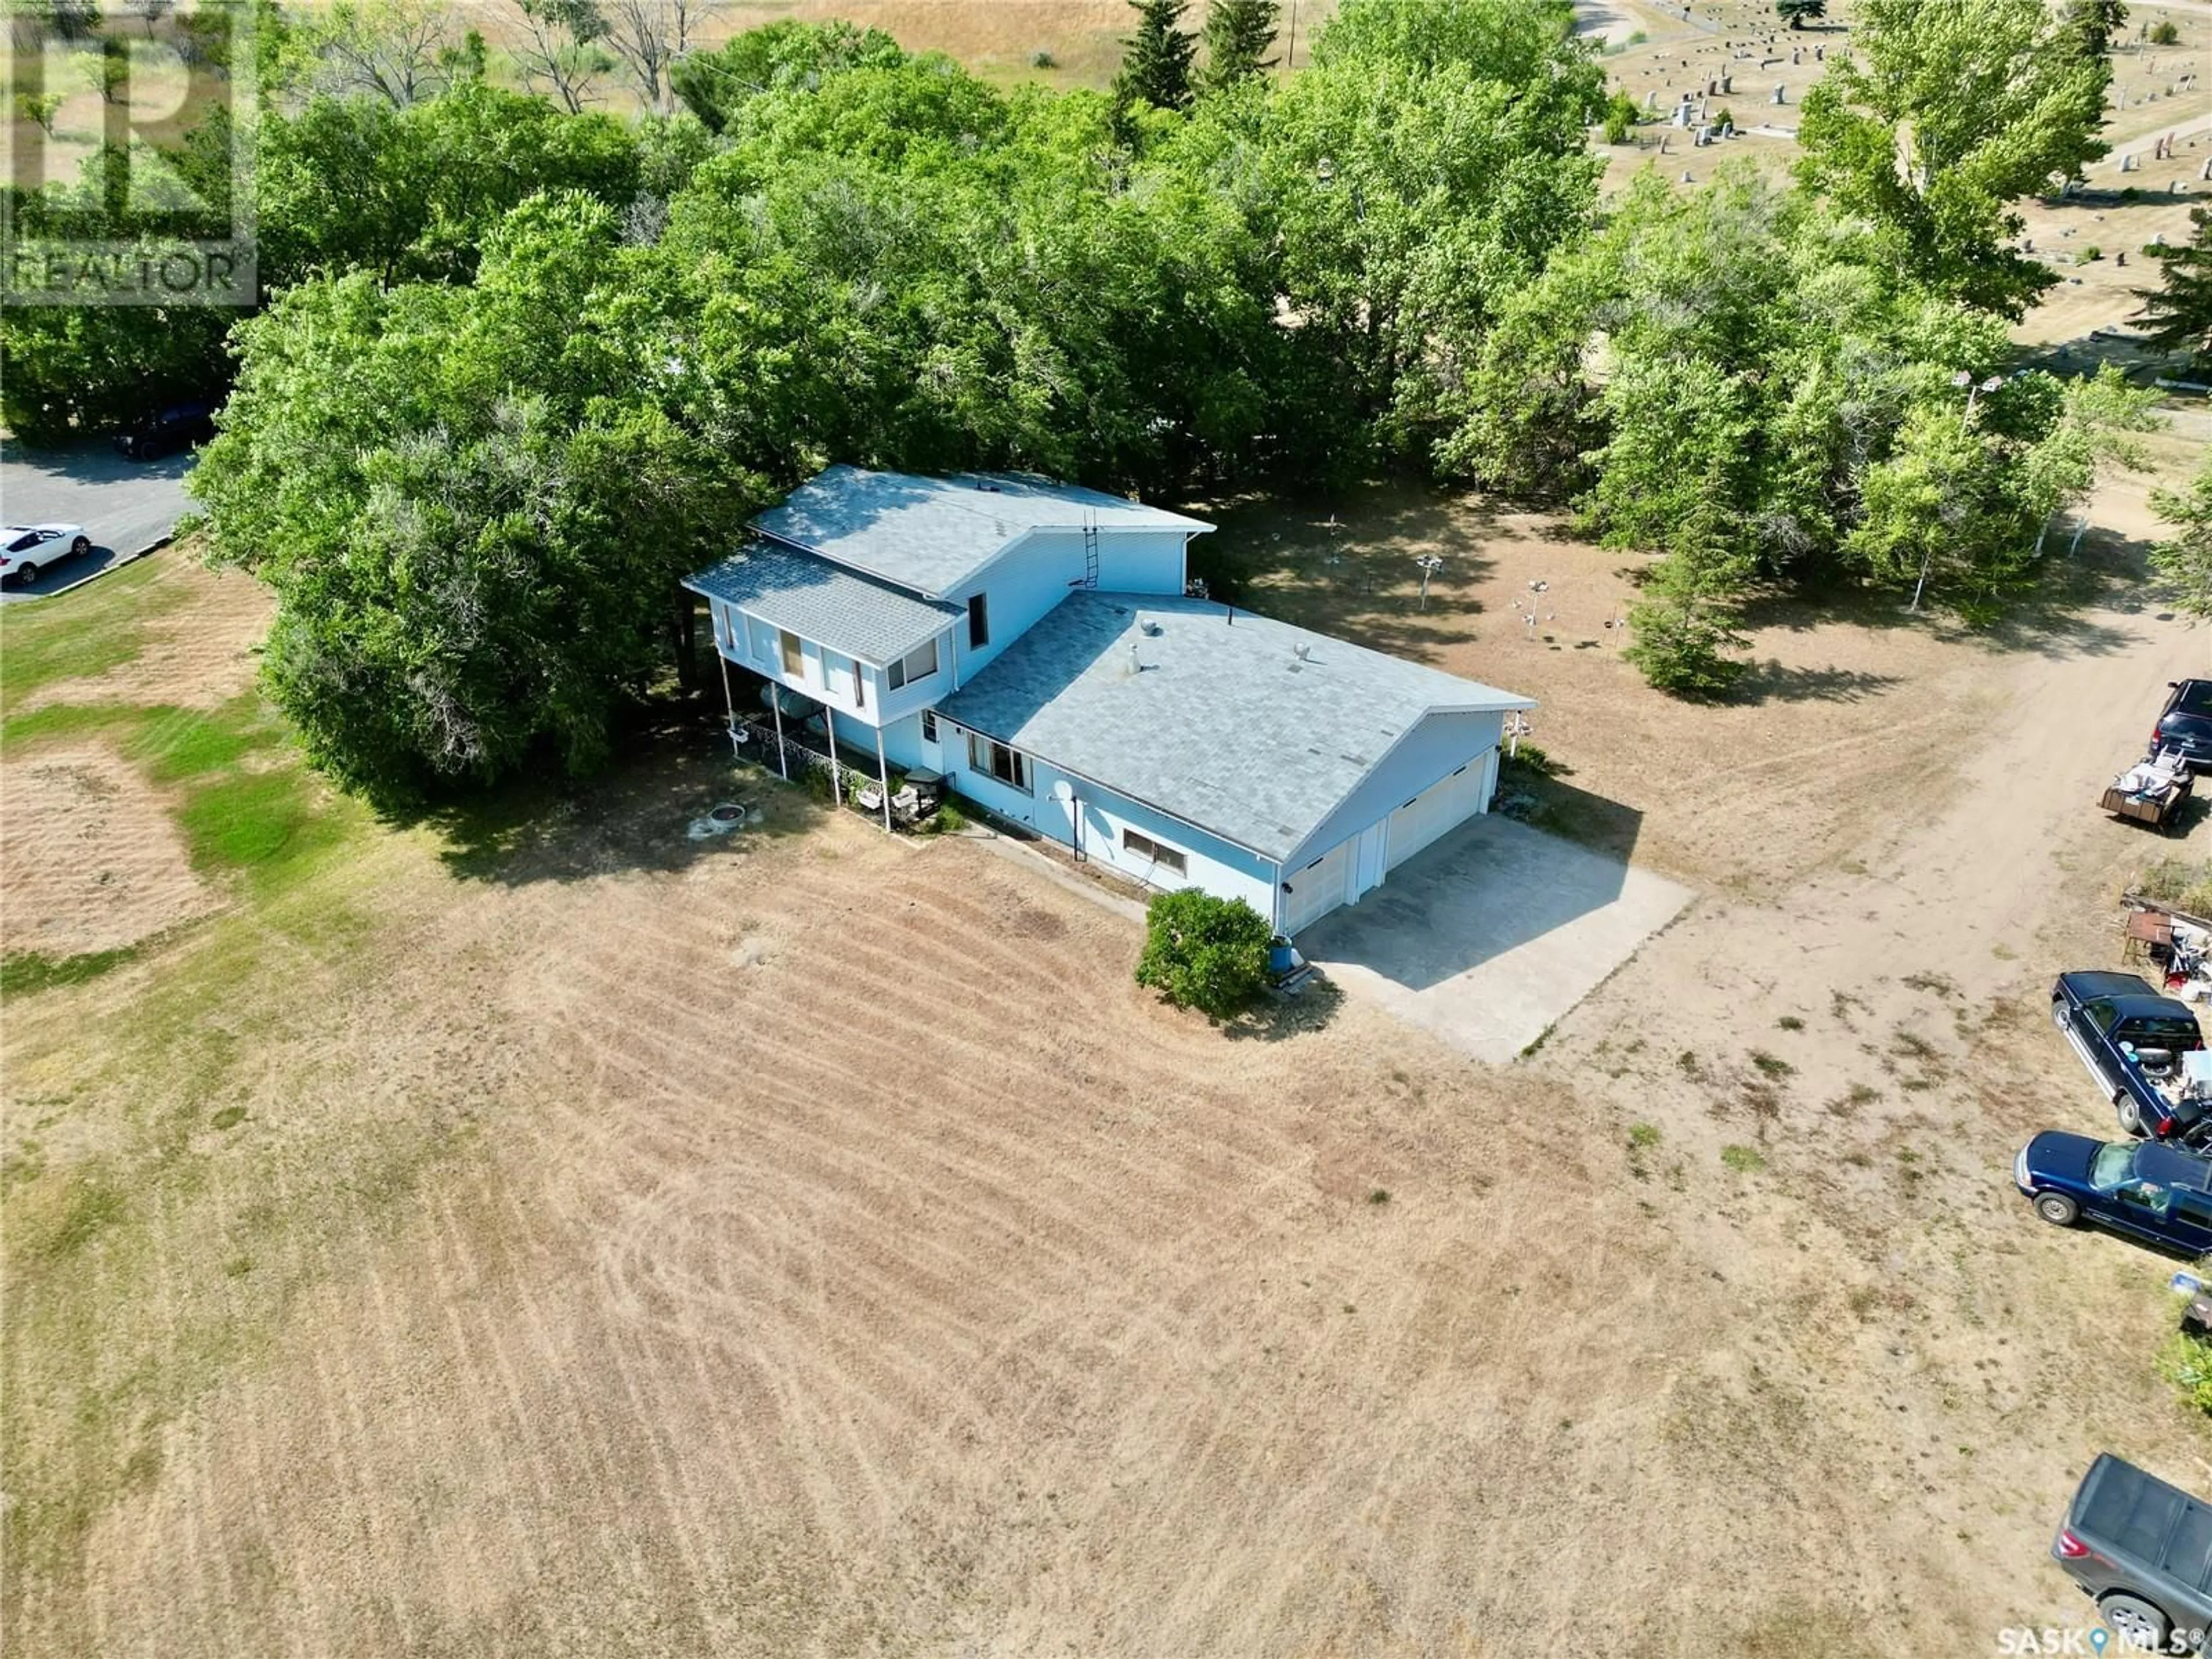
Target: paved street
{"points": [[126, 507]]}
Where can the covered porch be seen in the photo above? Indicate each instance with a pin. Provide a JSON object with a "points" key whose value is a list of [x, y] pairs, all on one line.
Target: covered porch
{"points": [[792, 746]]}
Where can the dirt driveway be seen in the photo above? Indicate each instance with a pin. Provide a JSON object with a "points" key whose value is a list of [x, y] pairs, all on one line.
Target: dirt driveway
{"points": [[1490, 936]]}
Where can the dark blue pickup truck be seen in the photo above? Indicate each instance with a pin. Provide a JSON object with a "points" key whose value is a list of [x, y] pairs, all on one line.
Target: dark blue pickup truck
{"points": [[2132, 1040]]}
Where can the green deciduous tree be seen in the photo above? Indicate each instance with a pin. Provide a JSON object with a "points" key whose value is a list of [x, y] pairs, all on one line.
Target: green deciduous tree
{"points": [[472, 502], [1240, 38], [1795, 12], [782, 56], [40, 108], [563, 49], [2091, 430], [2184, 560], [400, 51], [1205, 952], [1156, 61], [2177, 315], [1940, 118], [359, 183], [1410, 197]]}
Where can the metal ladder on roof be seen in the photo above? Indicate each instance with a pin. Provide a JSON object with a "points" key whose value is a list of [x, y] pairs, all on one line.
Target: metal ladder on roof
{"points": [[1090, 549]]}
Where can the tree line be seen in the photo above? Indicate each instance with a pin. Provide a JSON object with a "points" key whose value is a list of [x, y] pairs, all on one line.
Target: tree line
{"points": [[520, 363]]}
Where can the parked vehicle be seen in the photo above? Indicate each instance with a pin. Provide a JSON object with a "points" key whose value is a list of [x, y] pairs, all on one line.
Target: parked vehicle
{"points": [[2144, 1188], [2133, 1040], [176, 426], [2155, 791], [27, 549], [2185, 723], [2142, 1550]]}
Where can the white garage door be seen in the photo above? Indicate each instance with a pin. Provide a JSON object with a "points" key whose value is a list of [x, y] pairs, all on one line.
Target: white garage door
{"points": [[1315, 890], [1439, 807]]}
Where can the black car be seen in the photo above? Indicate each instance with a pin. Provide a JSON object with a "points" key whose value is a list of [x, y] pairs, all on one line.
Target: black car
{"points": [[2185, 724], [2143, 1550], [2152, 1192], [2132, 1040], [176, 427]]}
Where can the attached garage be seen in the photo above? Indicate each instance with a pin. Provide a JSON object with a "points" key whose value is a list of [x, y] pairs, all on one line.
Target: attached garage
{"points": [[1316, 890], [1441, 807], [1313, 766]]}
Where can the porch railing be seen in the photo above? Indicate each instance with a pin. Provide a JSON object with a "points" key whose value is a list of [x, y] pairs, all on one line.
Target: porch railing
{"points": [[802, 751]]}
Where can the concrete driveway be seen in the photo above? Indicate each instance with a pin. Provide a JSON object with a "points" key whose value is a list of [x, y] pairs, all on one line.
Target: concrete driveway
{"points": [[126, 507], [1492, 934]]}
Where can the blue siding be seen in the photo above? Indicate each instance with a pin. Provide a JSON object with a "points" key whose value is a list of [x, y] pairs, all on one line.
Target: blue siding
{"points": [[1432, 751], [1141, 561], [1209, 862], [1023, 584]]}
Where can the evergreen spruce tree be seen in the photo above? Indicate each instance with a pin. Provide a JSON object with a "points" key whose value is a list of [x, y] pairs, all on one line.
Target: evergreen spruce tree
{"points": [[2178, 316], [1240, 34], [1156, 60]]}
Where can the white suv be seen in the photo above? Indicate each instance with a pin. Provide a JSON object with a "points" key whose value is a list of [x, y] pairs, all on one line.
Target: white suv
{"points": [[26, 550]]}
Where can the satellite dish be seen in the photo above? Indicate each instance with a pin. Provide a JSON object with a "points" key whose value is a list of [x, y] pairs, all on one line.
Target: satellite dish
{"points": [[1063, 790]]}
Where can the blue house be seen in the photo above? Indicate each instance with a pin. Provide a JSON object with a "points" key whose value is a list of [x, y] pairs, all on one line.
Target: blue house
{"points": [[1033, 643]]}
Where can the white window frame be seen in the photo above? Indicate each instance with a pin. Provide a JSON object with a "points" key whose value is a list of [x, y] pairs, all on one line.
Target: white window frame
{"points": [[981, 759], [902, 674]]}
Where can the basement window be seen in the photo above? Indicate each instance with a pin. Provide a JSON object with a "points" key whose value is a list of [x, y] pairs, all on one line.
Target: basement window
{"points": [[1158, 852]]}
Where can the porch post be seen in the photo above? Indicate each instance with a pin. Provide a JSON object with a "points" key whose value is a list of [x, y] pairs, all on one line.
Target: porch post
{"points": [[729, 705], [776, 707], [836, 784], [883, 779]]}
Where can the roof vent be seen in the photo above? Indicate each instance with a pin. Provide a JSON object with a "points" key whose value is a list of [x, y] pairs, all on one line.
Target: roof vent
{"points": [[1148, 627], [1135, 667], [1303, 651]]}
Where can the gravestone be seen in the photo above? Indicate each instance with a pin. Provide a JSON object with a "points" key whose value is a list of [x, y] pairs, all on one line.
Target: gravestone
{"points": [[1777, 95]]}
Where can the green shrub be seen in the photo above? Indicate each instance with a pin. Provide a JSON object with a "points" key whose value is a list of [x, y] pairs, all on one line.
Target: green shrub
{"points": [[946, 820], [1534, 762], [1043, 60], [1205, 952], [2091, 253], [1619, 116], [2185, 1361], [1744, 1160], [2163, 33]]}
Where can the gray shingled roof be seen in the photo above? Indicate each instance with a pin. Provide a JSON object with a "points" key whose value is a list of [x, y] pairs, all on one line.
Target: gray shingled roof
{"points": [[1225, 725], [931, 534], [820, 601]]}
